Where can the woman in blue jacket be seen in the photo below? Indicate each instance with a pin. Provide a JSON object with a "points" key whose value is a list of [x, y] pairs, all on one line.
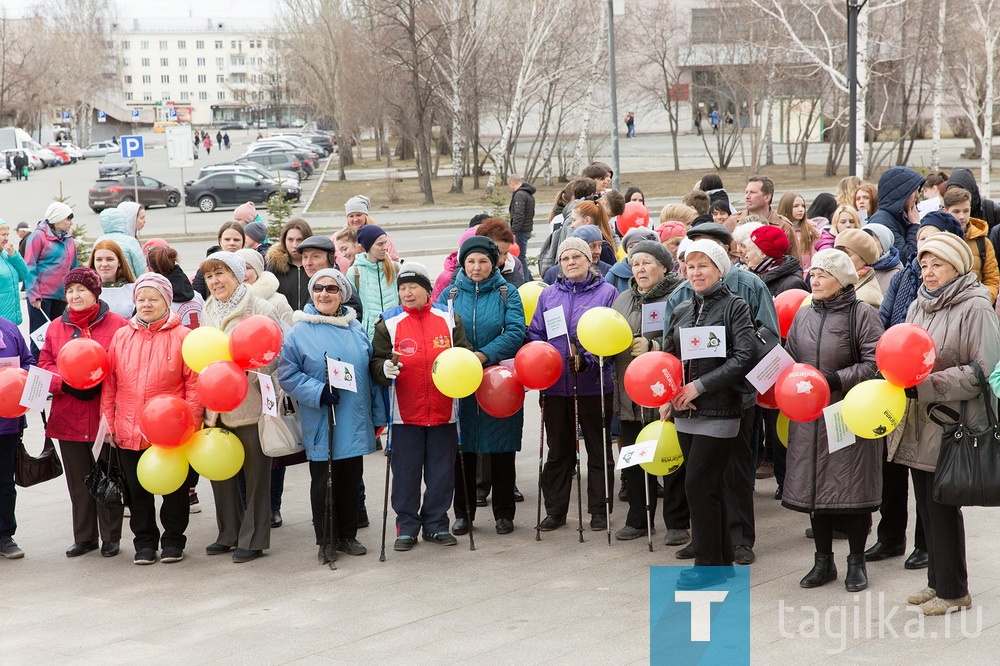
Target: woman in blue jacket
{"points": [[494, 324], [326, 327], [13, 271]]}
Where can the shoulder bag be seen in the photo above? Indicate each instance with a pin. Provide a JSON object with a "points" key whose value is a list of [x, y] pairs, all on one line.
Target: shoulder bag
{"points": [[281, 435], [30, 470], [106, 482]]}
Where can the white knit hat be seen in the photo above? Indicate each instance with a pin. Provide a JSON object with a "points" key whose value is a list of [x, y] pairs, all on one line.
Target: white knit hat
{"points": [[359, 203], [837, 264], [713, 251], [235, 263]]}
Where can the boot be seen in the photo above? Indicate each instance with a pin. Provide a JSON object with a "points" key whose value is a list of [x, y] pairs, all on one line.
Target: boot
{"points": [[823, 571], [856, 579]]}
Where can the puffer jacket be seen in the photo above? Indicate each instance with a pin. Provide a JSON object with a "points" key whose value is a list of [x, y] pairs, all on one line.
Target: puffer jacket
{"points": [[619, 275], [133, 380], [368, 280], [49, 256], [266, 287], [887, 266], [902, 291], [13, 272], [851, 478], [781, 274], [72, 419], [575, 299], [894, 187], [116, 228], [302, 374], [984, 209], [984, 263], [249, 410], [868, 290], [629, 304], [522, 209], [12, 345], [964, 327], [497, 330], [293, 283]]}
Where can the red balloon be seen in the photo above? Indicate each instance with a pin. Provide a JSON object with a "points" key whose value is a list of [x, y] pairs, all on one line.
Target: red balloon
{"points": [[12, 382], [538, 365], [82, 363], [654, 378], [635, 215], [500, 394], [766, 399], [801, 392], [222, 386], [905, 355], [255, 342], [787, 303], [166, 421], [514, 250]]}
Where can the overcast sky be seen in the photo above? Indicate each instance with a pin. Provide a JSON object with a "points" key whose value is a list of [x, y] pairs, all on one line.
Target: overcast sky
{"points": [[143, 9]]}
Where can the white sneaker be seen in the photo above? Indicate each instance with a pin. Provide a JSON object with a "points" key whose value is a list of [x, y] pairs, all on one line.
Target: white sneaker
{"points": [[193, 500]]}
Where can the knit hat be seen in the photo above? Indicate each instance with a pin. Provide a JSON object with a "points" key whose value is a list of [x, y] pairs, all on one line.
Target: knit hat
{"points": [[88, 277], [245, 213], [882, 233], [860, 243], [682, 248], [256, 231], [950, 248], [939, 219], [702, 219], [712, 230], [771, 241], [368, 234], [57, 212], [836, 263], [253, 259], [714, 251], [588, 233], [157, 282], [671, 229], [482, 245], [415, 273], [741, 234], [358, 204], [636, 234], [574, 243], [654, 249], [233, 261], [345, 285]]}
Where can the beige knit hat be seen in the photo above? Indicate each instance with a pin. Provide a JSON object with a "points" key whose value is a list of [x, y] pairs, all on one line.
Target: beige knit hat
{"points": [[574, 243], [837, 264], [860, 243], [950, 248]]}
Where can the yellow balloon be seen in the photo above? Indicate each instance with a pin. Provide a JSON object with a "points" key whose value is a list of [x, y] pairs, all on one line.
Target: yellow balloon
{"points": [[530, 291], [621, 252], [604, 332], [162, 471], [874, 408], [806, 302], [782, 428], [205, 345], [215, 453], [457, 372], [668, 456]]}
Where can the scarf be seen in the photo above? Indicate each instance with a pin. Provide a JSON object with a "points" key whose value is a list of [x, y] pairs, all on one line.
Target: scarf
{"points": [[909, 282], [82, 319], [156, 324], [220, 310], [658, 291]]}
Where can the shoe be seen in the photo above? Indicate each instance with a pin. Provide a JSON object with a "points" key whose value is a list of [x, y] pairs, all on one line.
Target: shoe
{"points": [[363, 518], [691, 579], [676, 537], [245, 555], [217, 549], [921, 597], [171, 554], [378, 443], [917, 560], [480, 500], [351, 547], [460, 526], [276, 518], [744, 555], [9, 549], [809, 533], [628, 533], [939, 606], [194, 506], [622, 493], [404, 543], [78, 549], [823, 571], [442, 538], [550, 523], [881, 551], [598, 522], [856, 579], [110, 548], [685, 553], [765, 470], [778, 493], [144, 556], [518, 497], [505, 526]]}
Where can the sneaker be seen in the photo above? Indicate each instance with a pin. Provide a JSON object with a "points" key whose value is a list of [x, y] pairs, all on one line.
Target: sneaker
{"points": [[921, 597], [171, 554], [765, 470], [676, 537], [939, 606], [145, 556], [598, 522], [744, 555], [194, 506], [404, 543], [9, 549], [442, 538], [351, 547], [628, 533]]}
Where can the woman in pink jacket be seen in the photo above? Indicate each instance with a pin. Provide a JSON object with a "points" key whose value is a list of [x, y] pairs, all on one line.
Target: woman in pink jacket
{"points": [[145, 359]]}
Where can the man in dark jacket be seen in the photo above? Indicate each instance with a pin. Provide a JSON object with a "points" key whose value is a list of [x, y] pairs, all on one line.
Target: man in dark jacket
{"points": [[983, 209], [522, 211], [898, 189]]}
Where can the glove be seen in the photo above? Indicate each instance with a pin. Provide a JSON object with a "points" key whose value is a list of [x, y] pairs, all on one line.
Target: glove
{"points": [[81, 394], [391, 369], [578, 363], [911, 392], [329, 397], [640, 345], [833, 380]]}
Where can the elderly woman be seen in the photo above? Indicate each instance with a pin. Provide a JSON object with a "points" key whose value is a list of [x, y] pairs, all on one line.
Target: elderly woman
{"points": [[652, 282], [845, 486], [954, 308], [247, 530], [328, 328], [155, 332], [495, 328], [264, 285], [14, 351], [373, 276], [13, 272], [116, 277], [50, 253], [766, 256], [863, 251], [620, 273]]}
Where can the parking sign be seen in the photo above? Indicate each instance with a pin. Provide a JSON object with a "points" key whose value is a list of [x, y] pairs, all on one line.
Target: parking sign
{"points": [[173, 113], [102, 117], [132, 147], [65, 115], [135, 114]]}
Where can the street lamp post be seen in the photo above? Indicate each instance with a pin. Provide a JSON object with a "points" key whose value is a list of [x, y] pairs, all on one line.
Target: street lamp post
{"points": [[853, 9], [615, 166]]}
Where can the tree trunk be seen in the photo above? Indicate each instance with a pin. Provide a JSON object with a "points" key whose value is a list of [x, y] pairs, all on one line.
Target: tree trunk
{"points": [[861, 114], [457, 139], [938, 90], [588, 105], [986, 159]]}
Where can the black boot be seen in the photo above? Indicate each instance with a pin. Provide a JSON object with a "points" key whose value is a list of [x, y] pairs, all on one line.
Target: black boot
{"points": [[823, 571], [856, 579]]}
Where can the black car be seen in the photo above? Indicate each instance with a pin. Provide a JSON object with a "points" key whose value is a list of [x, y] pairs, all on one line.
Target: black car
{"points": [[230, 190]]}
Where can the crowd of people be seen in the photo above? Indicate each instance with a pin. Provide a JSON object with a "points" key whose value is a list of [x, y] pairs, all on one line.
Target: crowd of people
{"points": [[865, 253]]}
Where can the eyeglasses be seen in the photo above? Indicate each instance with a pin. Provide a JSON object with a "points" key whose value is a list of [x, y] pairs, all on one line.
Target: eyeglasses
{"points": [[328, 288]]}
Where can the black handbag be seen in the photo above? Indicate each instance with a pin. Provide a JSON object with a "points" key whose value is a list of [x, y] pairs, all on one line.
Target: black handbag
{"points": [[30, 470], [106, 482], [968, 467]]}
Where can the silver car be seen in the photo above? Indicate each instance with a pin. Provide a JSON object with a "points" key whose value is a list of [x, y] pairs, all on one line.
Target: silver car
{"points": [[101, 148]]}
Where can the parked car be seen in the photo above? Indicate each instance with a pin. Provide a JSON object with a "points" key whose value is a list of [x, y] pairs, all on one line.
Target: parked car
{"points": [[304, 158], [109, 192], [47, 157], [310, 151], [231, 190], [298, 122], [114, 164], [64, 157], [101, 148], [234, 126], [277, 160], [71, 149], [5, 174], [252, 169], [261, 124], [301, 142]]}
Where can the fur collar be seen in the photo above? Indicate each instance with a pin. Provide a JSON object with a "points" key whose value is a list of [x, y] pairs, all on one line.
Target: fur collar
{"points": [[313, 317], [265, 286]]}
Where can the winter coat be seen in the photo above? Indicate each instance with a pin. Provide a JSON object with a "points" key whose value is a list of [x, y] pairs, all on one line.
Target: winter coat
{"points": [[72, 419], [302, 375], [983, 209], [522, 209], [369, 281], [619, 275], [902, 291], [962, 323], [554, 272], [887, 266], [868, 290], [984, 259], [826, 240], [894, 187], [133, 379], [13, 271], [293, 283], [781, 274], [116, 229], [575, 299], [12, 345], [50, 255], [513, 271], [446, 276], [266, 287], [851, 478]]}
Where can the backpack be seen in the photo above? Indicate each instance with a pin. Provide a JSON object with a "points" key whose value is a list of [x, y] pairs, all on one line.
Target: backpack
{"points": [[453, 292]]}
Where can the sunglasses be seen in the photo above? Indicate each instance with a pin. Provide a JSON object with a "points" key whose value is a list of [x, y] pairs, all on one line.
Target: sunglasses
{"points": [[328, 288]]}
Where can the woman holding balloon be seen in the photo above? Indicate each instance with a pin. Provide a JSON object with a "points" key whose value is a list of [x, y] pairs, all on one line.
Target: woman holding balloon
{"points": [[76, 413]]}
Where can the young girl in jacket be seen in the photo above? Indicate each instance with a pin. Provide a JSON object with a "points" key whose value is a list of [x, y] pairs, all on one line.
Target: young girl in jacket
{"points": [[374, 276]]}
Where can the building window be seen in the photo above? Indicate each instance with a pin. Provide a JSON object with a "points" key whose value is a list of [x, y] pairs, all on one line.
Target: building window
{"points": [[126, 45], [218, 43], [222, 95], [233, 45], [184, 78], [201, 62], [163, 45], [220, 62], [202, 78], [182, 62], [165, 96], [126, 62], [164, 62], [145, 62], [144, 45], [128, 79], [220, 78], [237, 61], [181, 44], [200, 44], [203, 95], [128, 96], [146, 78], [184, 96], [147, 97], [164, 78]]}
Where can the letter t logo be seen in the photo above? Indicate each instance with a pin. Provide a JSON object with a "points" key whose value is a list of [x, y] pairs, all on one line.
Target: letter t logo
{"points": [[701, 611]]}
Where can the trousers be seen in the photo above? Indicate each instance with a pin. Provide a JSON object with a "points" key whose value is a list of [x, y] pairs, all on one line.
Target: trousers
{"points": [[346, 479], [91, 519], [424, 453], [944, 531], [248, 528], [561, 430], [706, 459], [501, 467], [174, 512]]}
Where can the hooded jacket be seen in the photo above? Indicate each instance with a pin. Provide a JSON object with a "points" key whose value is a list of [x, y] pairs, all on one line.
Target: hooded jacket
{"points": [[984, 264], [522, 209], [887, 266], [984, 209], [12, 345], [851, 478], [781, 274], [619, 275], [49, 256], [116, 228], [368, 279], [266, 287], [13, 271], [894, 188]]}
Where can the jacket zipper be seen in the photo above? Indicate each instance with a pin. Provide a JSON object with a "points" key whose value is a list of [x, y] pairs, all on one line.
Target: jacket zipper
{"points": [[822, 323]]}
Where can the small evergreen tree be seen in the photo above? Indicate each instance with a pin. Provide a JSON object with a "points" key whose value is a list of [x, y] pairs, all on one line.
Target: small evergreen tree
{"points": [[79, 231], [279, 210]]}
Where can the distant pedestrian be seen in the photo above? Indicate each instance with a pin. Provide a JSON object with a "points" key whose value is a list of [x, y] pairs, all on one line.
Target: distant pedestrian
{"points": [[225, 140], [207, 142], [697, 122], [713, 119], [218, 138], [630, 125]]}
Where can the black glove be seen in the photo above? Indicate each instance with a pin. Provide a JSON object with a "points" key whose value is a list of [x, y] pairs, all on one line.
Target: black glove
{"points": [[833, 380], [578, 363], [329, 397], [82, 394], [911, 392]]}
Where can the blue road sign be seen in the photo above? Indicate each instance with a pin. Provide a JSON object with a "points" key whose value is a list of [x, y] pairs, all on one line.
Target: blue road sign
{"points": [[131, 146], [173, 113], [102, 117], [65, 115], [135, 114]]}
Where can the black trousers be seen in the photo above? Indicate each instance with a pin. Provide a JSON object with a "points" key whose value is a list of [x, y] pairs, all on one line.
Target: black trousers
{"points": [[174, 513], [706, 459], [560, 464], [895, 496], [944, 531], [676, 513], [8, 492], [628, 431], [741, 474], [91, 519], [501, 467], [346, 481], [779, 451]]}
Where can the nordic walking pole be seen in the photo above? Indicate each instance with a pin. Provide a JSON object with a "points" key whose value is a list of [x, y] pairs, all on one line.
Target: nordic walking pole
{"points": [[649, 509], [461, 463], [605, 445], [576, 439], [541, 453], [388, 459], [328, 553]]}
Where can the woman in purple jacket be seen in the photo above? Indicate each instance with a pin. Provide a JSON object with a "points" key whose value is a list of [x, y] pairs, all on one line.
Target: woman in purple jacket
{"points": [[12, 346], [576, 395]]}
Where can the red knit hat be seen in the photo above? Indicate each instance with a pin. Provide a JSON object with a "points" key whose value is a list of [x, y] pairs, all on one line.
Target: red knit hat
{"points": [[770, 240]]}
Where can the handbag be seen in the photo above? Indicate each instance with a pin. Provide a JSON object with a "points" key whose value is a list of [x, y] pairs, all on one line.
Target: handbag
{"points": [[281, 435], [968, 467], [30, 470], [106, 482]]}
